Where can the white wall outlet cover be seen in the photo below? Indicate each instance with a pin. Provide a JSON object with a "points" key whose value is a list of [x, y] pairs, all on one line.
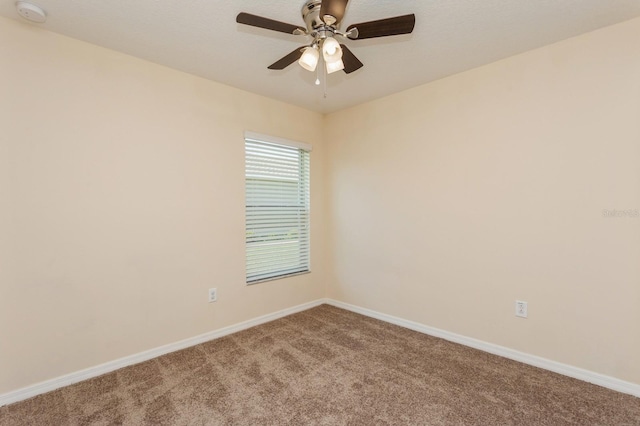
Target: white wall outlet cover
{"points": [[31, 12], [521, 309], [213, 294]]}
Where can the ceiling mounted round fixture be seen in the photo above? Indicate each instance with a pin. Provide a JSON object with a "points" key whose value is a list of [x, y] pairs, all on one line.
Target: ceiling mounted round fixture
{"points": [[31, 12]]}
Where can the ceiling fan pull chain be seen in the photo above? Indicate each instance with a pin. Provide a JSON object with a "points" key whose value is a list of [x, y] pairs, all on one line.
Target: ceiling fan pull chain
{"points": [[324, 72], [318, 76]]}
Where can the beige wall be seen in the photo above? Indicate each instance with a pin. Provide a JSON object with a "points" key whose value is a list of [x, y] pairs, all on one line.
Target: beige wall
{"points": [[122, 202], [450, 201]]}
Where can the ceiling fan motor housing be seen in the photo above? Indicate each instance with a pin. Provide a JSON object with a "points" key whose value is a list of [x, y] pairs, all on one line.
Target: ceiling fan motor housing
{"points": [[311, 15]]}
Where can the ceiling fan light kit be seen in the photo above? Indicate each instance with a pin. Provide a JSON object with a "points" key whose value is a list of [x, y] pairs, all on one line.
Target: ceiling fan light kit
{"points": [[335, 66], [331, 50], [309, 58], [322, 19]]}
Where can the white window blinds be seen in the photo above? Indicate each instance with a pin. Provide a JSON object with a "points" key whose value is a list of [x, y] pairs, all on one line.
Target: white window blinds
{"points": [[277, 207]]}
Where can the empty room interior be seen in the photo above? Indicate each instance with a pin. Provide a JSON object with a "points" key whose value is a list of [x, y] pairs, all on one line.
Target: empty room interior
{"points": [[321, 212]]}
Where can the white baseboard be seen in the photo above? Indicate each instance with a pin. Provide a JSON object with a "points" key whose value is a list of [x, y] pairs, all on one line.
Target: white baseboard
{"points": [[98, 370], [547, 364], [557, 367]]}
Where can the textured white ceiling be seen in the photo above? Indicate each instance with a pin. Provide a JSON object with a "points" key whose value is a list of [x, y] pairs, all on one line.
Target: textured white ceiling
{"points": [[201, 37]]}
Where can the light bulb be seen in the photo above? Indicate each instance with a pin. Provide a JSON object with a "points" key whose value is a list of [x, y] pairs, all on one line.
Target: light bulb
{"points": [[317, 82], [331, 50], [309, 58]]}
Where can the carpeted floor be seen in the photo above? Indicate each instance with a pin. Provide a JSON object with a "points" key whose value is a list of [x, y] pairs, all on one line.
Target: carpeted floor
{"points": [[328, 366]]}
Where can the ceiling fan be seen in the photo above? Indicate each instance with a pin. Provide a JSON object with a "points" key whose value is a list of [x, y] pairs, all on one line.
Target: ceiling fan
{"points": [[323, 19]]}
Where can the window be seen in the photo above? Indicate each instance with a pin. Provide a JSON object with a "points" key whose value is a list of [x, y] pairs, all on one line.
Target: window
{"points": [[277, 207]]}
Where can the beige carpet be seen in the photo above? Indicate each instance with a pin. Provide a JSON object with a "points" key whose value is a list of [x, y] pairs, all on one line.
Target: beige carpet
{"points": [[328, 366]]}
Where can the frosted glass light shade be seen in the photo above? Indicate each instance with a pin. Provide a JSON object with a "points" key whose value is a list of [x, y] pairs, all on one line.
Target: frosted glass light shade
{"points": [[331, 50], [309, 59], [335, 66]]}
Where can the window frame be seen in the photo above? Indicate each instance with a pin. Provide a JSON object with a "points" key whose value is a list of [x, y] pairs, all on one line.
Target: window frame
{"points": [[303, 230]]}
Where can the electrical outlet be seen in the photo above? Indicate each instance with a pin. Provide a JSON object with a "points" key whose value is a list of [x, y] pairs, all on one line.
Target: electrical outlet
{"points": [[521, 309], [213, 294]]}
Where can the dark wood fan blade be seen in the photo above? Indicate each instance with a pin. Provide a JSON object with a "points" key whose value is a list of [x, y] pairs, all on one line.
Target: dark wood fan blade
{"points": [[287, 60], [333, 8], [385, 27], [269, 24], [351, 63]]}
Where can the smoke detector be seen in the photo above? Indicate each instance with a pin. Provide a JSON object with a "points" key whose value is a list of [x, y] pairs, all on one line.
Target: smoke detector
{"points": [[31, 12]]}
